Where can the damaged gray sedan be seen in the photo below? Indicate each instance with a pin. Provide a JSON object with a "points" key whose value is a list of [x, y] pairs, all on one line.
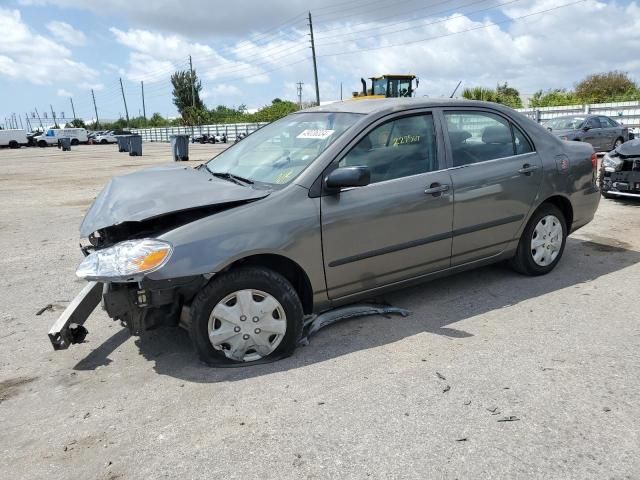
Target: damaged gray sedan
{"points": [[323, 208]]}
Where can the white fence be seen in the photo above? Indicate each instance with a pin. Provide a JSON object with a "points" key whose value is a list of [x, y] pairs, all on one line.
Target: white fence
{"points": [[231, 130], [627, 113]]}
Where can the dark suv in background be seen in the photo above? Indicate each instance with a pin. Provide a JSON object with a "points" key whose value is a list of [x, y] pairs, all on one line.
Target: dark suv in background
{"points": [[604, 133]]}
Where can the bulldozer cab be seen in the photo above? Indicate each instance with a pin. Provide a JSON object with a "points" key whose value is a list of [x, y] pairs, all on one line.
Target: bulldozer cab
{"points": [[388, 86]]}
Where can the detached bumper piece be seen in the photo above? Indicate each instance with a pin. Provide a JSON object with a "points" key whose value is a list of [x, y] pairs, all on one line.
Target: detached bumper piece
{"points": [[68, 329]]}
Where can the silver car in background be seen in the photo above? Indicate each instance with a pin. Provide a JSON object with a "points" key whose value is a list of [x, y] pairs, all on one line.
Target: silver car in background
{"points": [[326, 207], [603, 133]]}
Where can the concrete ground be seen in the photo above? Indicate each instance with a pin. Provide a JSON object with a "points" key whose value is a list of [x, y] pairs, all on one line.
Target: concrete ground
{"points": [[419, 397]]}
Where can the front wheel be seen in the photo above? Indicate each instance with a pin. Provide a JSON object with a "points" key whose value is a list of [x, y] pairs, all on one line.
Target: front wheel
{"points": [[42, 144], [619, 141], [542, 242], [244, 316], [75, 141]]}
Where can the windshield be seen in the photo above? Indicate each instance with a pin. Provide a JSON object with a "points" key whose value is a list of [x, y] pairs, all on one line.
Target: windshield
{"points": [[380, 86], [278, 152], [573, 123]]}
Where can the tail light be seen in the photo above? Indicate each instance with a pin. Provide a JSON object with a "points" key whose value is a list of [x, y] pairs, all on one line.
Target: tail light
{"points": [[594, 161]]}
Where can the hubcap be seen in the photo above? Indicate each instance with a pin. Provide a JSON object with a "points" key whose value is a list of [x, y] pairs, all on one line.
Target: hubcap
{"points": [[243, 341], [546, 241]]}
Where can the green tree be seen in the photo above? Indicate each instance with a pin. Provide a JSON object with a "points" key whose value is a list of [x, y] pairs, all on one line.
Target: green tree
{"points": [[553, 98], [606, 87], [508, 96], [183, 98], [77, 123], [480, 93]]}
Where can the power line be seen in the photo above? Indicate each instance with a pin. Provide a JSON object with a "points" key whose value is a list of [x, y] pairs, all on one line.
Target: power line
{"points": [[435, 22], [492, 24]]}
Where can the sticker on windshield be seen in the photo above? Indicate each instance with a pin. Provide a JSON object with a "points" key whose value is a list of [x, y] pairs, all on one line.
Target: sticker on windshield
{"points": [[318, 134], [284, 177]]}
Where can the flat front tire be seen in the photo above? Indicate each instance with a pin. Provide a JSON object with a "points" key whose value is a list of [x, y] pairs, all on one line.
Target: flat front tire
{"points": [[245, 316], [542, 242]]}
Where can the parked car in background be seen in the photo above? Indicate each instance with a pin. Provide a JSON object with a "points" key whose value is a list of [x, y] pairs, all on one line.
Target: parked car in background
{"points": [[209, 138], [602, 132], [51, 136], [105, 137], [620, 172], [13, 138], [322, 208]]}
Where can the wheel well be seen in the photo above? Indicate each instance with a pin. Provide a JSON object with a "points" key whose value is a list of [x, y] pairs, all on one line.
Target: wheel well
{"points": [[565, 207], [288, 269]]}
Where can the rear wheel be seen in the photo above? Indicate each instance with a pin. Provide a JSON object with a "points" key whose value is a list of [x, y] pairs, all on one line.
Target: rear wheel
{"points": [[14, 144], [246, 316], [542, 242], [75, 141]]}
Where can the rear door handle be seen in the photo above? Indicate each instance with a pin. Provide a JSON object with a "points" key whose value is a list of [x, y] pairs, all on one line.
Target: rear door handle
{"points": [[527, 169], [436, 189]]}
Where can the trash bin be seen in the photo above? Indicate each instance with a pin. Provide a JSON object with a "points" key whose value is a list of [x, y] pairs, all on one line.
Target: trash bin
{"points": [[135, 145], [123, 143], [180, 147], [65, 144]]}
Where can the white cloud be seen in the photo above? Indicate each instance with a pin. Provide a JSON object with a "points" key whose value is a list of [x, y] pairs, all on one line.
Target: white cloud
{"points": [[25, 55], [64, 93], [91, 86], [66, 33]]}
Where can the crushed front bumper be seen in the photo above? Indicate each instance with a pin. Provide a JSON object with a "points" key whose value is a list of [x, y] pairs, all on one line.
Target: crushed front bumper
{"points": [[139, 306], [68, 328]]}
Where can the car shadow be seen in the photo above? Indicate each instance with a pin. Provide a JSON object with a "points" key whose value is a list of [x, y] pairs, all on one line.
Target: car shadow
{"points": [[436, 307]]}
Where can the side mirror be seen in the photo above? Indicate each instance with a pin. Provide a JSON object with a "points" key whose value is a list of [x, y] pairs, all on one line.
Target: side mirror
{"points": [[586, 128], [346, 177]]}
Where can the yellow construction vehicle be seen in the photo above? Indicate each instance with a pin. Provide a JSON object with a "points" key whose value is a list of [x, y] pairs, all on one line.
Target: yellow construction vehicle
{"points": [[388, 86]]}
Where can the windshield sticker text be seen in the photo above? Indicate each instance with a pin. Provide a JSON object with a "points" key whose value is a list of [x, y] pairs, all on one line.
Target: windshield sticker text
{"points": [[406, 139], [284, 177], [317, 134]]}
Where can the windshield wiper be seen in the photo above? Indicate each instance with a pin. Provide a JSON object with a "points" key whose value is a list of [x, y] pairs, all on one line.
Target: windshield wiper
{"points": [[233, 178]]}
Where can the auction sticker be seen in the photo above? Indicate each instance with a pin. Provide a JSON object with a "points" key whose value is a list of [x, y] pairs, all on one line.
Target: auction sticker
{"points": [[317, 134]]}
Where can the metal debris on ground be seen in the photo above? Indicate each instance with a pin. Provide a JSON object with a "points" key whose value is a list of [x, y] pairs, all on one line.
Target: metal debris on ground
{"points": [[440, 376], [313, 323], [49, 306], [446, 389], [511, 418]]}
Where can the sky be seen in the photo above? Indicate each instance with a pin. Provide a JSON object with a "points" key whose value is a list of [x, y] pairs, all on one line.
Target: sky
{"points": [[250, 52]]}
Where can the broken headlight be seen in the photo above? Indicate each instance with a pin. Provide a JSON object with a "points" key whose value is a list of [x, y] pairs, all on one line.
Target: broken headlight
{"points": [[125, 261], [611, 164]]}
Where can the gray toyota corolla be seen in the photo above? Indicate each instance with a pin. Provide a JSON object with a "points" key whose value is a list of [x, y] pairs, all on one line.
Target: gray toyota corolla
{"points": [[322, 208]]}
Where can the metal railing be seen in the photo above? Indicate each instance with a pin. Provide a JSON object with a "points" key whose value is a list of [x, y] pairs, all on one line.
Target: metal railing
{"points": [[231, 130]]}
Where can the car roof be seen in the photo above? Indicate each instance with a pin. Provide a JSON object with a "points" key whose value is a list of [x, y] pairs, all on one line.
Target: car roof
{"points": [[384, 105]]}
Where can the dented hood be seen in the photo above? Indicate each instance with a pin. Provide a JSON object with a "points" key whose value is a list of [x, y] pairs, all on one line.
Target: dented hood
{"points": [[160, 190]]}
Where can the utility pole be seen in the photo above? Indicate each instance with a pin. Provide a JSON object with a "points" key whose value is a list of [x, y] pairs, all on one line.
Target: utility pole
{"points": [[126, 110], [55, 121], [72, 108], [40, 120], [94, 107], [193, 86], [299, 87], [313, 53], [144, 111], [340, 91]]}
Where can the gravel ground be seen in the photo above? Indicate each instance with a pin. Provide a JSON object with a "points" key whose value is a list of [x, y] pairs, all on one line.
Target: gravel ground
{"points": [[417, 397]]}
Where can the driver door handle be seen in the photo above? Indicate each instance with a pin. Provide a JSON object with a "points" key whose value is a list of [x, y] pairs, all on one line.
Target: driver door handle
{"points": [[436, 189], [527, 169]]}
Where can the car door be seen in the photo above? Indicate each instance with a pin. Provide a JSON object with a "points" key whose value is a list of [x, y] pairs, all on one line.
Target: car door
{"points": [[496, 174], [593, 134], [611, 132], [399, 226]]}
